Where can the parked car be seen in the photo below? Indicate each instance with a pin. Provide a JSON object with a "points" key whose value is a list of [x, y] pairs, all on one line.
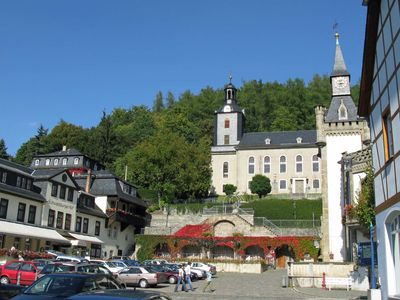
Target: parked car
{"points": [[141, 276], [71, 258], [110, 265], [7, 291], [40, 262], [194, 274], [205, 267], [121, 295], [26, 270], [62, 285], [58, 267], [171, 275]]}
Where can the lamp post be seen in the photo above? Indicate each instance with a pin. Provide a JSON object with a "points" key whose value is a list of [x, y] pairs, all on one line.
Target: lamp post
{"points": [[371, 235]]}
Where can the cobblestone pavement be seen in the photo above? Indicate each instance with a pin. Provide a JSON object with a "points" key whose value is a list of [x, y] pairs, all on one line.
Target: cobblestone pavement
{"points": [[267, 285]]}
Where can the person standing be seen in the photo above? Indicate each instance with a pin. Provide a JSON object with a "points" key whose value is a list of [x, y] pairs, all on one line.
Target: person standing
{"points": [[181, 279], [208, 284], [187, 276]]}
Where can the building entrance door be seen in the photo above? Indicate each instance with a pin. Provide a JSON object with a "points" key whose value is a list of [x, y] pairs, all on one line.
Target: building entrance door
{"points": [[299, 186]]}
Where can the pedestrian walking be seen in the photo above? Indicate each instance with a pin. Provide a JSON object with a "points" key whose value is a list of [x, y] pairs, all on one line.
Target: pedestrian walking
{"points": [[208, 283], [187, 276], [181, 279]]}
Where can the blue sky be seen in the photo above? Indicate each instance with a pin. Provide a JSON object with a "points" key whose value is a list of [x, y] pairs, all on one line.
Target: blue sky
{"points": [[71, 59]]}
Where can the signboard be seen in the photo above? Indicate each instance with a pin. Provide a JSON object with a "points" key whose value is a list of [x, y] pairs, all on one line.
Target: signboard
{"points": [[364, 254]]}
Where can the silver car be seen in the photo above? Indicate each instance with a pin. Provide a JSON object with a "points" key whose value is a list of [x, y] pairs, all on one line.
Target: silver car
{"points": [[140, 276]]}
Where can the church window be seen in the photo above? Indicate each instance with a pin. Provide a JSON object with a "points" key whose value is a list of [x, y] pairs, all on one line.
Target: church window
{"points": [[315, 184], [76, 160], [299, 164], [267, 164], [47, 161], [37, 162], [387, 136], [227, 123], [282, 184], [229, 94], [251, 165], [315, 163], [226, 139], [342, 112], [225, 169], [282, 164], [64, 161]]}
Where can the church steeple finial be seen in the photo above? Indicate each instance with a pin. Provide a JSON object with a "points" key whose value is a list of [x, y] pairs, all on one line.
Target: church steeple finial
{"points": [[230, 78], [339, 67]]}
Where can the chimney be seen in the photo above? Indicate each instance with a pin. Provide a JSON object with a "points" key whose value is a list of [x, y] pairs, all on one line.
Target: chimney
{"points": [[64, 148], [88, 181]]}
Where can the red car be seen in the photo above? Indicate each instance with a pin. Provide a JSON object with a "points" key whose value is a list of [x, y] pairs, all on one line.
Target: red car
{"points": [[9, 272]]}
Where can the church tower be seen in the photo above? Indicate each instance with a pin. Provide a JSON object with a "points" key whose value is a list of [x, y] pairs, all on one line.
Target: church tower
{"points": [[229, 123], [229, 119], [339, 129]]}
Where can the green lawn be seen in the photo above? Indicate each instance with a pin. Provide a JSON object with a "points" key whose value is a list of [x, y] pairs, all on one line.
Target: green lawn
{"points": [[286, 209]]}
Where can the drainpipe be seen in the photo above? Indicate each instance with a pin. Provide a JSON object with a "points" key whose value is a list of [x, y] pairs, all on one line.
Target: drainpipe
{"points": [[88, 181]]}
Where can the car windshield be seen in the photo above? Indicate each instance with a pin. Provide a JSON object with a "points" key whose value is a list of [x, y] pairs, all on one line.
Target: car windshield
{"points": [[50, 268], [111, 264], [61, 286]]}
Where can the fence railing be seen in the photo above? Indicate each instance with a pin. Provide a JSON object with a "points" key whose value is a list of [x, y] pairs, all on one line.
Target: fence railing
{"points": [[297, 223]]}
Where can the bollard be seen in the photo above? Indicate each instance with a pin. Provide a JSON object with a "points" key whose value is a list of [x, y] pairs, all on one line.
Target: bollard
{"points": [[19, 278], [323, 281]]}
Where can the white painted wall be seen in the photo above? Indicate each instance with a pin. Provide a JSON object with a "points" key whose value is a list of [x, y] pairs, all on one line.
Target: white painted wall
{"points": [[336, 145], [12, 209]]}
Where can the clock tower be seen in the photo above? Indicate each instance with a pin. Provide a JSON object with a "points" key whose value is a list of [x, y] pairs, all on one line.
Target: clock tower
{"points": [[340, 77]]}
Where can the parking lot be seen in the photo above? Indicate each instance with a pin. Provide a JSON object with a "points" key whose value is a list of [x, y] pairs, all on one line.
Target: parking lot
{"points": [[267, 285]]}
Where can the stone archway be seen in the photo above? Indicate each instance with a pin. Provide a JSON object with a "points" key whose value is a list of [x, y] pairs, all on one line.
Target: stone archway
{"points": [[254, 252], [162, 250], [224, 228], [191, 251], [222, 252]]}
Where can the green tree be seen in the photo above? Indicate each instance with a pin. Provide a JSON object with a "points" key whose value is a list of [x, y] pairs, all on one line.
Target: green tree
{"points": [[3, 150], [260, 185], [170, 100], [365, 208], [66, 134], [229, 189], [158, 105], [106, 140], [35, 145]]}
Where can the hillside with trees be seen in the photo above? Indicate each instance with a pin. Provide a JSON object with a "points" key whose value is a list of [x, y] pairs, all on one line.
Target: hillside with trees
{"points": [[166, 149]]}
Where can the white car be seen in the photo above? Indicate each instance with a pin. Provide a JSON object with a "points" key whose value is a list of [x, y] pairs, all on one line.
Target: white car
{"points": [[113, 267], [203, 266], [197, 273]]}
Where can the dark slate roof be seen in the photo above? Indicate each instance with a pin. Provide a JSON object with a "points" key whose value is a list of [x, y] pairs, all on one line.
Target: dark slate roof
{"points": [[234, 107], [10, 189], [278, 139], [46, 173], [332, 114], [68, 152], [15, 167], [96, 211], [106, 183], [339, 67]]}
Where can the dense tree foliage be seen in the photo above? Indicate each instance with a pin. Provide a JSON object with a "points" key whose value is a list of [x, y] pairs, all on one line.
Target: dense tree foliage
{"points": [[260, 185], [229, 189], [166, 148], [3, 150], [365, 208]]}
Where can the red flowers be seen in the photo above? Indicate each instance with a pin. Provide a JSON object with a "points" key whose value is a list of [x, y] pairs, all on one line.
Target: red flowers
{"points": [[200, 230]]}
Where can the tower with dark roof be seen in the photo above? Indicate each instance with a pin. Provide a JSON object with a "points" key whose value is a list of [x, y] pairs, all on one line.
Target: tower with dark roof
{"points": [[339, 130], [229, 119]]}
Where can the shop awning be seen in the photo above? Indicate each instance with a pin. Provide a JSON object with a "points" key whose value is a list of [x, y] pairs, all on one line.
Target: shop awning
{"points": [[82, 240], [29, 231]]}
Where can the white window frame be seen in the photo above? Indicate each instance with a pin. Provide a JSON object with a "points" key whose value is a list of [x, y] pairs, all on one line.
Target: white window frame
{"points": [[56, 161], [225, 174], [251, 164], [267, 164], [315, 162], [37, 162], [282, 163], [47, 162], [76, 160], [64, 161], [298, 163]]}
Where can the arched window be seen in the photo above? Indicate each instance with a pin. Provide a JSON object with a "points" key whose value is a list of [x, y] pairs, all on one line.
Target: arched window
{"points": [[76, 160], [342, 112], [225, 169], [252, 165], [299, 164], [47, 161], [64, 161], [229, 94], [315, 163], [56, 160], [267, 164], [282, 164], [37, 161], [226, 123]]}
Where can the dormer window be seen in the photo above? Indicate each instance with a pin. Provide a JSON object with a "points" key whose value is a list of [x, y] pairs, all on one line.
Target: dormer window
{"points": [[299, 140], [227, 108], [47, 161], [267, 141], [56, 161], [37, 161], [64, 161], [342, 112], [76, 160]]}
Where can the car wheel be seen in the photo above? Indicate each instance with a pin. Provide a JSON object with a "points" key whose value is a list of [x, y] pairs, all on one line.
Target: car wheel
{"points": [[4, 280], [195, 277], [172, 279], [143, 283]]}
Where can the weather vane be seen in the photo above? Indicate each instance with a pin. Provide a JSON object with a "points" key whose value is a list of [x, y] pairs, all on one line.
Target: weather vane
{"points": [[230, 78]]}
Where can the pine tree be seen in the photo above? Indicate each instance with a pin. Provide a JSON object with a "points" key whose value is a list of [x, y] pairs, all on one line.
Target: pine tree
{"points": [[3, 150]]}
